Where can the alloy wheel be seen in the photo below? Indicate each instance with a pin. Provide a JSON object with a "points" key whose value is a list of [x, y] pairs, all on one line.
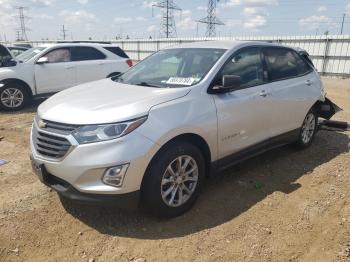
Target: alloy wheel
{"points": [[179, 181], [308, 128], [12, 97]]}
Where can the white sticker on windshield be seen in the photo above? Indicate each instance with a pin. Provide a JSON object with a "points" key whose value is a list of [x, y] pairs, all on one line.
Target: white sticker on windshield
{"points": [[181, 81]]}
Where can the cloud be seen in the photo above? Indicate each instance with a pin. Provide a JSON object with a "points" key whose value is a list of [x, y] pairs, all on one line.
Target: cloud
{"points": [[78, 17], [186, 21], [201, 8], [141, 18], [231, 23], [83, 2], [232, 3], [122, 20], [43, 3], [235, 3], [314, 22], [43, 16], [322, 8], [151, 28], [259, 2], [348, 9], [255, 23], [256, 17], [148, 4], [6, 13]]}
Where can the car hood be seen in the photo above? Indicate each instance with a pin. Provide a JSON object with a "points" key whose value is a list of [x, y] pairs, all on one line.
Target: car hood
{"points": [[105, 101]]}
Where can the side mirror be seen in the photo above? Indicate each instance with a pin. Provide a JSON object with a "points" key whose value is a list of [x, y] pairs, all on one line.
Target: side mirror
{"points": [[229, 84], [11, 63], [8, 62], [42, 60]]}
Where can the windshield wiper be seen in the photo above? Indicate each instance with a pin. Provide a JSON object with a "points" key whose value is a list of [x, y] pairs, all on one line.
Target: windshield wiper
{"points": [[146, 84]]}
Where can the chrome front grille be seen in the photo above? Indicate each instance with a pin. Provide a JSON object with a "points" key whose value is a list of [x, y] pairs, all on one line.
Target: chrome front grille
{"points": [[50, 141], [59, 128]]}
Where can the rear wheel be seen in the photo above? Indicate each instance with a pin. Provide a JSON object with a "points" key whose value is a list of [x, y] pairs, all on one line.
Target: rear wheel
{"points": [[173, 182], [13, 97], [308, 130]]}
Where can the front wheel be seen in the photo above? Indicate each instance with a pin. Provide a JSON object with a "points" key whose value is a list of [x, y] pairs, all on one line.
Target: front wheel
{"points": [[174, 179], [308, 130], [13, 97]]}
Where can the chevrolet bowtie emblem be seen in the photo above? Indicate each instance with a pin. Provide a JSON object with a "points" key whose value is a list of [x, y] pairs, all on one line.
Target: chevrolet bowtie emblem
{"points": [[41, 124]]}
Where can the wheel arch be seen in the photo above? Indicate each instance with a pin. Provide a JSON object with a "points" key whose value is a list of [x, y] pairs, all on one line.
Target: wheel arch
{"points": [[192, 138], [20, 82]]}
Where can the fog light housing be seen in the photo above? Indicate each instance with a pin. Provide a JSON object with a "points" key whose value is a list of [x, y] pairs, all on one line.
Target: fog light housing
{"points": [[114, 176]]}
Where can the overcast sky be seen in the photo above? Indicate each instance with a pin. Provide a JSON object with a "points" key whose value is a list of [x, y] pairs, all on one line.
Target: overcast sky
{"points": [[108, 18]]}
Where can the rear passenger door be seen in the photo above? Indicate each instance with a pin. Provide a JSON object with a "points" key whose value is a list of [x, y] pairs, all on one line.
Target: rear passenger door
{"points": [[90, 63], [292, 88]]}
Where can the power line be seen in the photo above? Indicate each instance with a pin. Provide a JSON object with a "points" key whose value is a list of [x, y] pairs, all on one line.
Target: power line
{"points": [[168, 27], [22, 30], [211, 20]]}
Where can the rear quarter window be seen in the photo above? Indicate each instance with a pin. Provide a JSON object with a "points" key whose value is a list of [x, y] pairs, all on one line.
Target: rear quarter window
{"points": [[83, 53], [116, 50], [284, 63]]}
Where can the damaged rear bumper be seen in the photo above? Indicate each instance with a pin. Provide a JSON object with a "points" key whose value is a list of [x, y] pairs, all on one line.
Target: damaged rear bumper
{"points": [[326, 110]]}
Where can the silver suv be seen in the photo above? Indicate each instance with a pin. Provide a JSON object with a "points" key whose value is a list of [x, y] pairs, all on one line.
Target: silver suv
{"points": [[153, 134]]}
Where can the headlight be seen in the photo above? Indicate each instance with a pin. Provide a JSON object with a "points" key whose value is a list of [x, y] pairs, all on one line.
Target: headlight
{"points": [[96, 133]]}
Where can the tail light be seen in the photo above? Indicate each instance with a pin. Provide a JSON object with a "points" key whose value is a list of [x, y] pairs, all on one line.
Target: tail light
{"points": [[129, 62]]}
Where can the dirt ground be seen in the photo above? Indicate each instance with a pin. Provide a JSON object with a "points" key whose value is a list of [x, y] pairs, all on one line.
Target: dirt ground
{"points": [[284, 205]]}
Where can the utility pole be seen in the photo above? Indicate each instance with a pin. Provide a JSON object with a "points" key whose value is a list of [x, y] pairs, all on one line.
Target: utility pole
{"points": [[64, 32], [211, 20], [22, 30], [342, 24], [168, 28]]}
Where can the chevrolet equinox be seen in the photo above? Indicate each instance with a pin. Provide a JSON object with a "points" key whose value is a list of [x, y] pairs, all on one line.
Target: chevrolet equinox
{"points": [[151, 135]]}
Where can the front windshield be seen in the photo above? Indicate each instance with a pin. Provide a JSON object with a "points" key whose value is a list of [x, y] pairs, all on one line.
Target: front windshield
{"points": [[30, 53], [172, 67]]}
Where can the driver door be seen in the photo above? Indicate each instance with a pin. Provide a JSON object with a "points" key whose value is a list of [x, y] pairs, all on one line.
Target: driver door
{"points": [[58, 73], [243, 115]]}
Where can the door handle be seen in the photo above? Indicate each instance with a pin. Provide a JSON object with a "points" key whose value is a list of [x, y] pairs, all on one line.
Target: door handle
{"points": [[263, 93], [308, 82], [68, 67]]}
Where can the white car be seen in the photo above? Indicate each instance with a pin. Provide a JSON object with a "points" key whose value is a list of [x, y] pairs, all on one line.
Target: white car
{"points": [[154, 133], [48, 69]]}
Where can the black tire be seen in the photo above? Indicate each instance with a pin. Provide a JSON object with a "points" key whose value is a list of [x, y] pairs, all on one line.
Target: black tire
{"points": [[151, 190], [13, 88], [302, 141]]}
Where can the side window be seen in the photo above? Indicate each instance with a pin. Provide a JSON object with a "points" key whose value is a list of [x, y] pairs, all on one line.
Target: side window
{"points": [[58, 55], [83, 53], [302, 65], [247, 64], [116, 50], [284, 63]]}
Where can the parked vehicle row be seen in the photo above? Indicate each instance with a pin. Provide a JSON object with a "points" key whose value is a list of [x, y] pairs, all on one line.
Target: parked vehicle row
{"points": [[152, 134], [48, 69]]}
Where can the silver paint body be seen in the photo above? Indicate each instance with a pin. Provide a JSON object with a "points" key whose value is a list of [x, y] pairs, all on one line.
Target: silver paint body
{"points": [[227, 122]]}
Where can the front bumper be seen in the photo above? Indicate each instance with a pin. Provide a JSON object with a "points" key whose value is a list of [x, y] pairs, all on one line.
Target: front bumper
{"points": [[82, 168], [63, 188]]}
